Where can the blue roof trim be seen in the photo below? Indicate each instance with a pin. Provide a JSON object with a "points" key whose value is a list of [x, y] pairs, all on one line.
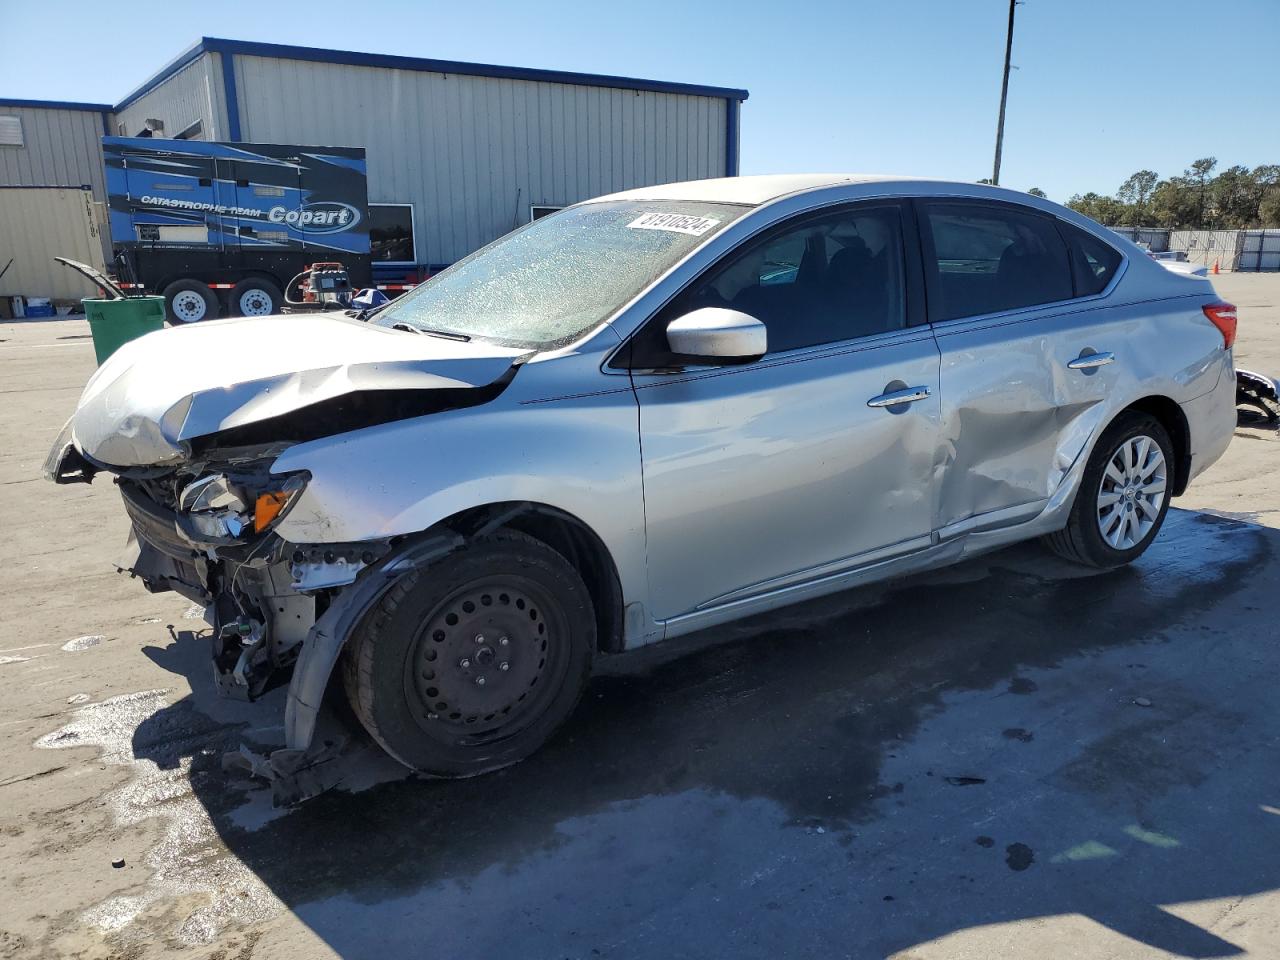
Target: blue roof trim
{"points": [[731, 137], [229, 48], [233, 99], [56, 105]]}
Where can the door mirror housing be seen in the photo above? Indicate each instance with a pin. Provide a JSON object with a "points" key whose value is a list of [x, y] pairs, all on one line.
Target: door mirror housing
{"points": [[717, 335]]}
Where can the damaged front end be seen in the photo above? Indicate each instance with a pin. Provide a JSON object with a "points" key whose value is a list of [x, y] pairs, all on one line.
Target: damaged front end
{"points": [[206, 531], [278, 611], [191, 446]]}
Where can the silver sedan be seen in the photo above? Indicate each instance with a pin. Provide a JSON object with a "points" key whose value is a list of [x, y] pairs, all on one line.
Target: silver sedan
{"points": [[641, 416]]}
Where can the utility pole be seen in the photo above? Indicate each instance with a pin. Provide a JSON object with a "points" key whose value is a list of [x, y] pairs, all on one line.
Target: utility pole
{"points": [[1004, 93]]}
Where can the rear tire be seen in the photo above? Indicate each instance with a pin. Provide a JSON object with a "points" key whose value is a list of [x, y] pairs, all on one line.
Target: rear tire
{"points": [[189, 301], [473, 663], [1123, 496], [255, 297]]}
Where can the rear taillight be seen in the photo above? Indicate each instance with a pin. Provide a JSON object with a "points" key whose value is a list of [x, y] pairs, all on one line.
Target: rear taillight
{"points": [[1223, 316]]}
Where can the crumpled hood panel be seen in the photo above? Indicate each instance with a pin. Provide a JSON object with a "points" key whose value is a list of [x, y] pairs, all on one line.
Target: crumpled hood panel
{"points": [[186, 382]]}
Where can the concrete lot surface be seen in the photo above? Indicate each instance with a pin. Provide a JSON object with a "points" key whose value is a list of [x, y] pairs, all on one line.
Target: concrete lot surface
{"points": [[1010, 758]]}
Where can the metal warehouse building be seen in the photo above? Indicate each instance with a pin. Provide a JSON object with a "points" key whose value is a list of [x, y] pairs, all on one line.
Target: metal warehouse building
{"points": [[458, 153]]}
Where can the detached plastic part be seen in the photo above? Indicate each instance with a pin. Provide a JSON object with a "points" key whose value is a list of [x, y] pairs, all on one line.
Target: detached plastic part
{"points": [[294, 775], [1260, 392]]}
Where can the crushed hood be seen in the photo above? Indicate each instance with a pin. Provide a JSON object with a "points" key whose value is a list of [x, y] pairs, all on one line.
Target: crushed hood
{"points": [[179, 384]]}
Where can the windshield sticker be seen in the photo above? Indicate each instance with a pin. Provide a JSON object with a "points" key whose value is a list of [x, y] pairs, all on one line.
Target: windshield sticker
{"points": [[673, 223]]}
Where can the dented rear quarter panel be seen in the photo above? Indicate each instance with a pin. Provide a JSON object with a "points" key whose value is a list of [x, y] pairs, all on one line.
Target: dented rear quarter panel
{"points": [[1016, 418]]}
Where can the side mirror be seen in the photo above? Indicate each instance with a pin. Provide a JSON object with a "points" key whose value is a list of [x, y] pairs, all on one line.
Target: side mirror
{"points": [[718, 335]]}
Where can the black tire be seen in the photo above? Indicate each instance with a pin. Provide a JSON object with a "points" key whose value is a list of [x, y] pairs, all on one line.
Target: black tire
{"points": [[413, 666], [255, 297], [185, 312], [1082, 540]]}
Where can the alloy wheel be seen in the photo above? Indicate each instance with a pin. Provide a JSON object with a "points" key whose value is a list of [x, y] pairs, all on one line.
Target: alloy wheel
{"points": [[1132, 492]]}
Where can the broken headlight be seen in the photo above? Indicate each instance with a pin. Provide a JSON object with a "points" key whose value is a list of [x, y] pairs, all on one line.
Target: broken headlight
{"points": [[219, 507]]}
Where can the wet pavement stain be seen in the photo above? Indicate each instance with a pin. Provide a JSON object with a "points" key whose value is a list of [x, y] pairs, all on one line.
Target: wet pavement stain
{"points": [[76, 644], [750, 718], [1019, 856], [169, 759], [766, 749]]}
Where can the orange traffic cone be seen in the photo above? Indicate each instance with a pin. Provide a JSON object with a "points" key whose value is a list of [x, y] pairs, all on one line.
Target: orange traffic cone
{"points": [[1216, 271]]}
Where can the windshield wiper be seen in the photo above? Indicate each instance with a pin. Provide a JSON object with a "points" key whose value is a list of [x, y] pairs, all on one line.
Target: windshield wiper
{"points": [[443, 334], [446, 334]]}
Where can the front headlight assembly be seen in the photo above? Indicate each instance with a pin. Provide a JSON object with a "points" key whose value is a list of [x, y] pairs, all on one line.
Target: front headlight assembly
{"points": [[220, 507]]}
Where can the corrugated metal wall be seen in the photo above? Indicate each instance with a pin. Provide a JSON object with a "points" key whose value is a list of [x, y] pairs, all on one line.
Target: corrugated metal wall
{"points": [[472, 153], [1209, 246], [193, 93], [1260, 250], [37, 225], [1157, 238], [63, 148]]}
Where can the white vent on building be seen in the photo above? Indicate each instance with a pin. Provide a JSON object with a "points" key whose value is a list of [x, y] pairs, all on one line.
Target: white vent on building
{"points": [[11, 131]]}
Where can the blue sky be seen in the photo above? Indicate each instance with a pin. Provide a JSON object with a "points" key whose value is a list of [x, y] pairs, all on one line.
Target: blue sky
{"points": [[1102, 89]]}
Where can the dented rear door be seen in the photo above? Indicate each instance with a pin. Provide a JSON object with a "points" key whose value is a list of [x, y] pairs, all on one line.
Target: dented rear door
{"points": [[1016, 413]]}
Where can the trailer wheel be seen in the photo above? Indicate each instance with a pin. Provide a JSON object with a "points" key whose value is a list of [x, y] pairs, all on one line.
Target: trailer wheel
{"points": [[189, 301], [255, 297]]}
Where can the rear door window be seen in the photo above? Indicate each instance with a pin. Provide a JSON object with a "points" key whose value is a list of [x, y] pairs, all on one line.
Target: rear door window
{"points": [[988, 258]]}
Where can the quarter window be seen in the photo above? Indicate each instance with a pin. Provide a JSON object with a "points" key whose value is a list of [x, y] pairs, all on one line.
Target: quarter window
{"points": [[826, 280], [1093, 261], [994, 258]]}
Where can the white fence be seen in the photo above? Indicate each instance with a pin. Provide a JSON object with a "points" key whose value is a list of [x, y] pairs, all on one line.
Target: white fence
{"points": [[1221, 247], [1157, 238], [1260, 250], [1238, 250]]}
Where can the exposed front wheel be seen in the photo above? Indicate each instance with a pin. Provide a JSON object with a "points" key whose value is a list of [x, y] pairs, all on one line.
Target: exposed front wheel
{"points": [[1123, 496], [472, 663]]}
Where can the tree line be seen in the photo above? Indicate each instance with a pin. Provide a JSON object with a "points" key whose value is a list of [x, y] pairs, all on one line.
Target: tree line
{"points": [[1235, 198]]}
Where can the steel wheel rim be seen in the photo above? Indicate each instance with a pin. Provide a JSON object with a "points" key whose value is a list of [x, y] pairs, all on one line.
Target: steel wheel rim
{"points": [[255, 303], [1131, 493], [189, 306], [461, 642]]}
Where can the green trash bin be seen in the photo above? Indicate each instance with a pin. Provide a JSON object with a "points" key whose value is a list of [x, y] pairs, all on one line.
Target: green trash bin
{"points": [[115, 322]]}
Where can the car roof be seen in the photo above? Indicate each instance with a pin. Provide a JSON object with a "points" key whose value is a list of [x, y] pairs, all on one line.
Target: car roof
{"points": [[753, 190]]}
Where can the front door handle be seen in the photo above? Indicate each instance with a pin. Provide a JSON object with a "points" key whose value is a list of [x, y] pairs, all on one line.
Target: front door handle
{"points": [[1089, 361], [895, 397]]}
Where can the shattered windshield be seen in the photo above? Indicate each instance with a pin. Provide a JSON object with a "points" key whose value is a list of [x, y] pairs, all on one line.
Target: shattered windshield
{"points": [[551, 281]]}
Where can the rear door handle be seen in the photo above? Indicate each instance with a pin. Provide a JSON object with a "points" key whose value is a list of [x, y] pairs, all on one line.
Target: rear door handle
{"points": [[895, 397], [1090, 360]]}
